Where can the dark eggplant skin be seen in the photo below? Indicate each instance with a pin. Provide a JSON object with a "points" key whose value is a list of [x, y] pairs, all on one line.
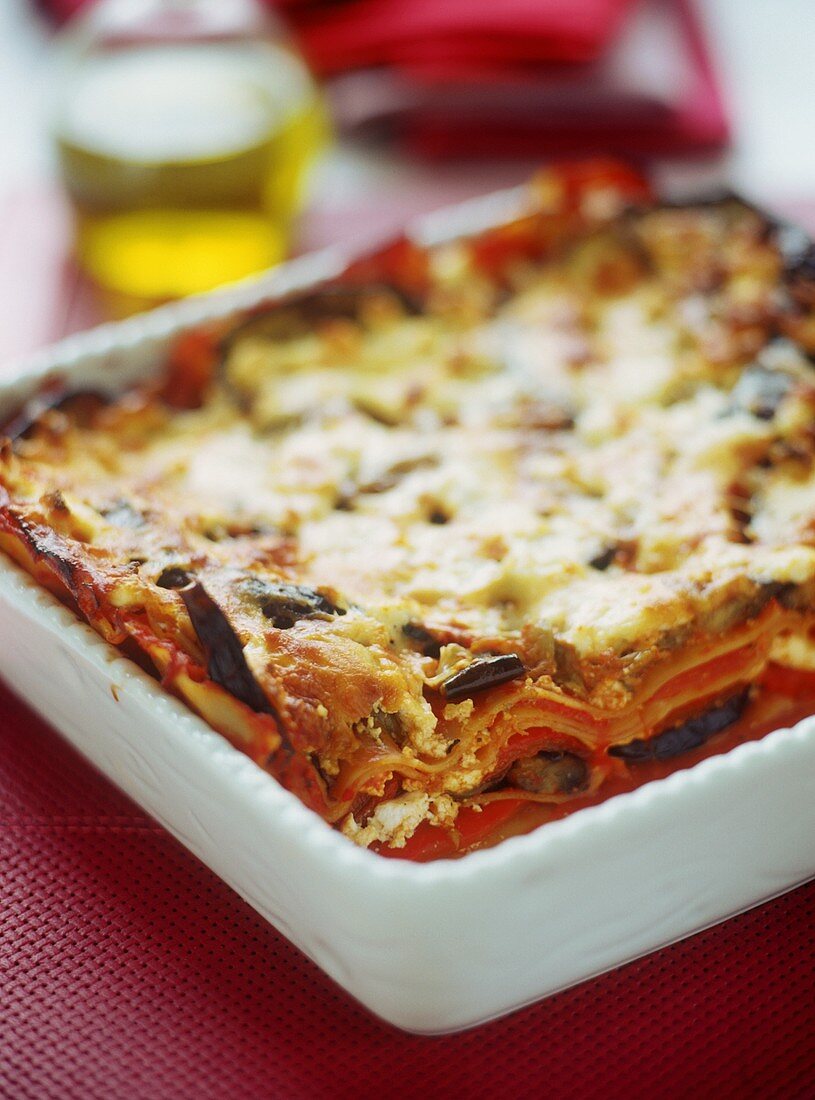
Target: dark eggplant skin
{"points": [[226, 664], [427, 642], [173, 577], [684, 737], [604, 559], [550, 772], [482, 674], [286, 604]]}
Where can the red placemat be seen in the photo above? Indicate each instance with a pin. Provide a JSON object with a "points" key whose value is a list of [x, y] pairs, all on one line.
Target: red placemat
{"points": [[129, 970]]}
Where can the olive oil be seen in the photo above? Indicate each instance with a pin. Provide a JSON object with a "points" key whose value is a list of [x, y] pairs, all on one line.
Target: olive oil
{"points": [[187, 163]]}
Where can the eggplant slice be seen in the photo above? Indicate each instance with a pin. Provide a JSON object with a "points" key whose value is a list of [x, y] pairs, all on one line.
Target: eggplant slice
{"points": [[226, 664], [286, 604], [427, 643], [690, 734], [550, 772], [483, 673]]}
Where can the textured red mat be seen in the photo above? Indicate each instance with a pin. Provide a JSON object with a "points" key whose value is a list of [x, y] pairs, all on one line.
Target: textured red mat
{"points": [[128, 970]]}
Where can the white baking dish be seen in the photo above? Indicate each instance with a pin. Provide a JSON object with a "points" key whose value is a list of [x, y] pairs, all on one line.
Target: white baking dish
{"points": [[433, 947]]}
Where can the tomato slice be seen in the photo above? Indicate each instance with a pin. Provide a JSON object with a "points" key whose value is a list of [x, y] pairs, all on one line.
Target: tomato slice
{"points": [[474, 826], [428, 842], [531, 236], [193, 359], [792, 682], [532, 740], [402, 263], [578, 177]]}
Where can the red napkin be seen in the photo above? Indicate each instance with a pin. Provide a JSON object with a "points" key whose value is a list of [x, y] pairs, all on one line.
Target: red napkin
{"points": [[523, 78], [652, 91], [339, 36]]}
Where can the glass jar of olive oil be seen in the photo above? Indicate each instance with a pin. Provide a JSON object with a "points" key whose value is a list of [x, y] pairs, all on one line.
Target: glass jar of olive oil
{"points": [[185, 130]]}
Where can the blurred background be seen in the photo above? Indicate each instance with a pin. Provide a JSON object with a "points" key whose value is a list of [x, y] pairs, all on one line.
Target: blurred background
{"points": [[155, 148]]}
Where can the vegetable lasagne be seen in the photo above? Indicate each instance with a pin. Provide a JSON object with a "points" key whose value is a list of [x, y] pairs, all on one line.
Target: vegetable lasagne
{"points": [[474, 534]]}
